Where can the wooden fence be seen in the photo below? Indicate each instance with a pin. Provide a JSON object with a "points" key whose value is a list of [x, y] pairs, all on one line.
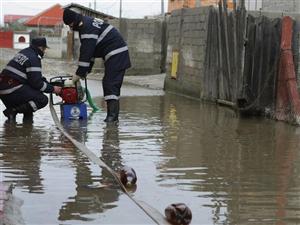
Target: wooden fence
{"points": [[242, 58]]}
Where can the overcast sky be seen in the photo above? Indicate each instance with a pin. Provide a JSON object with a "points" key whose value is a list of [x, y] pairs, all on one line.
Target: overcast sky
{"points": [[130, 8]]}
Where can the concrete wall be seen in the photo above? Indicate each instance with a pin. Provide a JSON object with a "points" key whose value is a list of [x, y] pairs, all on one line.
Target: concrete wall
{"points": [[187, 34], [281, 5], [144, 38]]}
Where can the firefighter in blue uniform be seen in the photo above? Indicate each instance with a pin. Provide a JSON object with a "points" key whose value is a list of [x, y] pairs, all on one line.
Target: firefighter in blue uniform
{"points": [[22, 84], [101, 40]]}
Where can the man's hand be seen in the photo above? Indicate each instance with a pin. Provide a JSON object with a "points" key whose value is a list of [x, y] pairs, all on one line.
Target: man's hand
{"points": [[57, 90], [75, 78]]}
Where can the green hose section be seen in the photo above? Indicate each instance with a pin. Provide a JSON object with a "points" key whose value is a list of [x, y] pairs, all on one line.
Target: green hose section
{"points": [[90, 101]]}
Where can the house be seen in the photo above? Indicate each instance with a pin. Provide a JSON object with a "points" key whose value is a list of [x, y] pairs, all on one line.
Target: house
{"points": [[48, 21], [178, 4], [10, 19], [14, 34]]}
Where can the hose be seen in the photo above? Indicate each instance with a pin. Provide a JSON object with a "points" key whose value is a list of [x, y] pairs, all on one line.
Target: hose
{"points": [[155, 215], [90, 100]]}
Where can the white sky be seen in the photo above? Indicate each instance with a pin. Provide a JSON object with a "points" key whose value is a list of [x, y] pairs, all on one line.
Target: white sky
{"points": [[130, 8]]}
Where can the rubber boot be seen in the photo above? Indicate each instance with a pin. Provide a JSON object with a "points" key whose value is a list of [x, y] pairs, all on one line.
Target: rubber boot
{"points": [[10, 113], [28, 117], [112, 111]]}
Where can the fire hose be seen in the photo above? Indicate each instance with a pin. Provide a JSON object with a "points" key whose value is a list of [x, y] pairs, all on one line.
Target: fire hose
{"points": [[154, 214]]}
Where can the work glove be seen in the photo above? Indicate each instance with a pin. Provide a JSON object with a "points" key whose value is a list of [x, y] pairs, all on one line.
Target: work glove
{"points": [[57, 90], [75, 78]]}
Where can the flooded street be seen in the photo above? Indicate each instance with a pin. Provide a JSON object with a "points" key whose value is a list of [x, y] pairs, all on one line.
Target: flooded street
{"points": [[228, 170]]}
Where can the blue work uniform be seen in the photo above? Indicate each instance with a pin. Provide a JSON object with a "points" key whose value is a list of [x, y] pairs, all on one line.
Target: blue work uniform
{"points": [[101, 40], [21, 81]]}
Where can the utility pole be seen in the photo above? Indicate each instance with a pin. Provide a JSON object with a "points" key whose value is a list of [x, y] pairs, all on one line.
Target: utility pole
{"points": [[95, 5], [120, 15], [162, 7]]}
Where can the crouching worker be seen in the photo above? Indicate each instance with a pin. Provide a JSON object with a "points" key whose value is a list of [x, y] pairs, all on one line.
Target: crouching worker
{"points": [[22, 84]]}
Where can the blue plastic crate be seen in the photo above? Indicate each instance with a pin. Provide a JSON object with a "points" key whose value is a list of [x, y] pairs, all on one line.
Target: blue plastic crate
{"points": [[73, 111]]}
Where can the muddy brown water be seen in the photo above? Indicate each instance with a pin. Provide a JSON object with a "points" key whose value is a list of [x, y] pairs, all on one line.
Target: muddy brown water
{"points": [[227, 169]]}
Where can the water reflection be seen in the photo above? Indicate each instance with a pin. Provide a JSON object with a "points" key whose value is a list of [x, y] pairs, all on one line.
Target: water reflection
{"points": [[228, 170], [110, 152], [243, 169], [89, 201], [20, 156]]}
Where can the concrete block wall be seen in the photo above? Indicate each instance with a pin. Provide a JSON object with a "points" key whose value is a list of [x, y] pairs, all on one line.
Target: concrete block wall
{"points": [[187, 34], [281, 5], [144, 39]]}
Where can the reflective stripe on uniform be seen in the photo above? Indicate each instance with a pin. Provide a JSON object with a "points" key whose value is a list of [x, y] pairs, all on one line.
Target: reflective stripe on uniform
{"points": [[84, 64], [44, 87], [104, 33], [88, 36], [15, 71], [111, 97], [34, 69], [33, 105], [114, 52], [11, 90]]}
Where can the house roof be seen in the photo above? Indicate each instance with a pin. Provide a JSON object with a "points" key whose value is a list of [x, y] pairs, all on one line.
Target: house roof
{"points": [[10, 18], [49, 17], [88, 11]]}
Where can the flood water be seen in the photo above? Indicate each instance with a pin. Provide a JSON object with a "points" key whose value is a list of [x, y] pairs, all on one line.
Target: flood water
{"points": [[227, 169]]}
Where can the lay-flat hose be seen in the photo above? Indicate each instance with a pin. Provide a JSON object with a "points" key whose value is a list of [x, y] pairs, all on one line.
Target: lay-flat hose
{"points": [[150, 211]]}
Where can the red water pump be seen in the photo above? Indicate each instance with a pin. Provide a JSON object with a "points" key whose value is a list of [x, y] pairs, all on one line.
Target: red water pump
{"points": [[69, 95], [73, 97]]}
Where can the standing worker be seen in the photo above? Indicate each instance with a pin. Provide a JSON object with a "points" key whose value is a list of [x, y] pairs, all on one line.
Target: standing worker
{"points": [[22, 84], [101, 40]]}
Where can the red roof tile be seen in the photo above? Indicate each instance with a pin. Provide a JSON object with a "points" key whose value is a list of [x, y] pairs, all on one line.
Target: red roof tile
{"points": [[50, 17], [9, 18]]}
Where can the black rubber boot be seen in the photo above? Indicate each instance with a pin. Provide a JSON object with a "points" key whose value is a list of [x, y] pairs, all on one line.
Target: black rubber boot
{"points": [[10, 113], [112, 111], [28, 117]]}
